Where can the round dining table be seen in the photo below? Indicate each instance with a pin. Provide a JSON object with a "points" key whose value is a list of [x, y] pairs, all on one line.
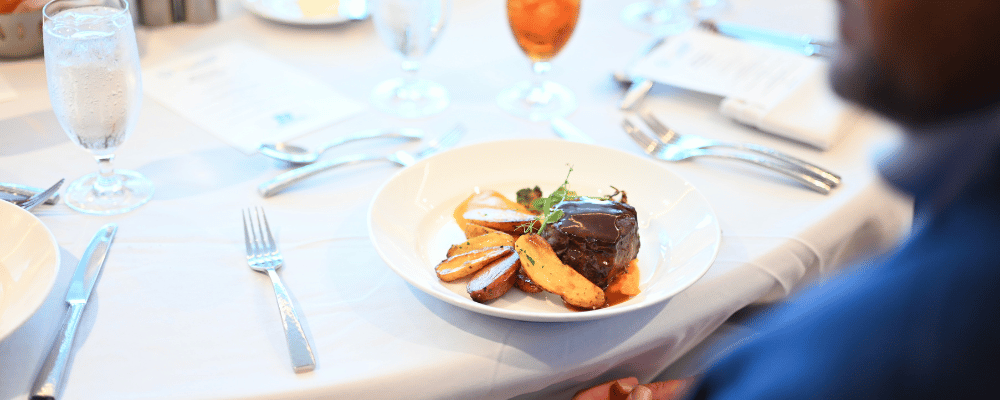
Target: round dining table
{"points": [[178, 315]]}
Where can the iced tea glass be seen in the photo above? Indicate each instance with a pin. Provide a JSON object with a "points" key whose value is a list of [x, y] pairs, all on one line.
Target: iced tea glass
{"points": [[541, 29]]}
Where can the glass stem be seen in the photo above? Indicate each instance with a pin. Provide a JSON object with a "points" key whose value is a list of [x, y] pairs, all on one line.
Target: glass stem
{"points": [[407, 90], [538, 94], [107, 181]]}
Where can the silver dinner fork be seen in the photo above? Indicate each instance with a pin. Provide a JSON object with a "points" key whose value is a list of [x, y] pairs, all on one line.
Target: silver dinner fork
{"points": [[670, 136], [263, 256], [670, 152], [16, 193], [400, 158], [40, 198]]}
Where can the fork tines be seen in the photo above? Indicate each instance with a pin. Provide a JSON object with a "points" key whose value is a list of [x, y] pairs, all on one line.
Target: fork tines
{"points": [[255, 246], [638, 135]]}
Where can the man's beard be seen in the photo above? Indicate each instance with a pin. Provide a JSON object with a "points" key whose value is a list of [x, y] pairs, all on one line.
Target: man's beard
{"points": [[859, 79]]}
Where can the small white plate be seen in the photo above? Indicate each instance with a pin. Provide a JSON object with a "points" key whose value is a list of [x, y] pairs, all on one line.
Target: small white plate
{"points": [[411, 225], [29, 264], [309, 12]]}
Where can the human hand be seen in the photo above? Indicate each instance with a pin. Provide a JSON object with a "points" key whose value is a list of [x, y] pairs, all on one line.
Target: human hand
{"points": [[630, 389]]}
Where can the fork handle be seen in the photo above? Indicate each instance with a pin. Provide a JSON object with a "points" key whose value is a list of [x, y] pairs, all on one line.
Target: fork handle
{"points": [[825, 175], [298, 345], [283, 181], [806, 179]]}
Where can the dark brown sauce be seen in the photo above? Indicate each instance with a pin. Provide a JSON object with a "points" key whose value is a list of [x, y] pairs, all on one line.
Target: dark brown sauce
{"points": [[613, 294], [591, 217]]}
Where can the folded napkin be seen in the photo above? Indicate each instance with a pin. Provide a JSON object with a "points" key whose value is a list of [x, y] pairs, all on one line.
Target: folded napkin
{"points": [[773, 90], [808, 112]]}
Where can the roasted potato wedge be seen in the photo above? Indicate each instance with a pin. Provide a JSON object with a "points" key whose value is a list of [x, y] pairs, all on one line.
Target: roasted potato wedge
{"points": [[495, 279], [509, 221], [466, 264], [524, 283], [492, 239], [485, 199], [543, 267], [472, 230]]}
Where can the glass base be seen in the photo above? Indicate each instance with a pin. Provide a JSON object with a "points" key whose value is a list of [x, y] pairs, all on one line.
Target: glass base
{"points": [[537, 102], [709, 9], [127, 191], [658, 17], [410, 99]]}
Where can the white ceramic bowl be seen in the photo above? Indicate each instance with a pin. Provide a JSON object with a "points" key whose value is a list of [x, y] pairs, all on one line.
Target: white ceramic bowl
{"points": [[29, 264], [411, 225]]}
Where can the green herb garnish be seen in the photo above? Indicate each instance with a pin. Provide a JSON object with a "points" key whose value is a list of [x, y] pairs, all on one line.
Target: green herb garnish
{"points": [[546, 206]]}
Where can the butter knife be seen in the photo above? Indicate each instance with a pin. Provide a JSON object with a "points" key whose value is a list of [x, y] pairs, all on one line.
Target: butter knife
{"points": [[802, 44], [568, 131], [48, 382], [638, 87]]}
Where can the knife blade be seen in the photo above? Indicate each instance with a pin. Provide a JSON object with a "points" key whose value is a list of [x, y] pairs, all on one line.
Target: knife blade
{"points": [[802, 44], [48, 382], [568, 131]]}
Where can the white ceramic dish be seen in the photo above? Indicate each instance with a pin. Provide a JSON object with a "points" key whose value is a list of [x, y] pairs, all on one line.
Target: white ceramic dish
{"points": [[29, 264], [411, 225], [319, 12]]}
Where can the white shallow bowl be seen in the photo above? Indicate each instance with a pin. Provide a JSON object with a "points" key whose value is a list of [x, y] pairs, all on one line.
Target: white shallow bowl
{"points": [[291, 12], [29, 264], [411, 225]]}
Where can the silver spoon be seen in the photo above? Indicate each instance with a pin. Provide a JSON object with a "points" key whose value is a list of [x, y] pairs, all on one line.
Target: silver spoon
{"points": [[298, 155]]}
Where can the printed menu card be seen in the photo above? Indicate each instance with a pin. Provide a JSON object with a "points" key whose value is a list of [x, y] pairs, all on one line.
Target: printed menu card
{"points": [[245, 96]]}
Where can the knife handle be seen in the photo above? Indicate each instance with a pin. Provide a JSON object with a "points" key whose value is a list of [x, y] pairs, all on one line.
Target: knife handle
{"points": [[48, 382], [636, 92]]}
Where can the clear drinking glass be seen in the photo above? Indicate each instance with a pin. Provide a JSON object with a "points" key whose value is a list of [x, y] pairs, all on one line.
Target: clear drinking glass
{"points": [[92, 69], [541, 28], [660, 17], [410, 27], [708, 9]]}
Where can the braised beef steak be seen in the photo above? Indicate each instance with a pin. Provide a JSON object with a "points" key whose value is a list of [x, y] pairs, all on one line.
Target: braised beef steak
{"points": [[597, 238]]}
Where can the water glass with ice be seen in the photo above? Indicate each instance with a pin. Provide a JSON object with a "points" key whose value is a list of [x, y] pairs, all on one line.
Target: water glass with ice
{"points": [[95, 86], [410, 27]]}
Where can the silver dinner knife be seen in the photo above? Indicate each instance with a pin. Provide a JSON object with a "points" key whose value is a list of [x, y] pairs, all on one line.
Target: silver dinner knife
{"points": [[48, 382]]}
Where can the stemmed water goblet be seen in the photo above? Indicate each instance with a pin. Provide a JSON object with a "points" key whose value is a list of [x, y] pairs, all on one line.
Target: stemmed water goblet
{"points": [[410, 27], [670, 17], [95, 86], [541, 29], [659, 17]]}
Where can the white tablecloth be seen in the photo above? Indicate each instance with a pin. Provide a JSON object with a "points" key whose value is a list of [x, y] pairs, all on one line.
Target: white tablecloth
{"points": [[178, 315]]}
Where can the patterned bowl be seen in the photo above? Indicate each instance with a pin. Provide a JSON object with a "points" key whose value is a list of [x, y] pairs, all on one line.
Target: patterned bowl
{"points": [[21, 34]]}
